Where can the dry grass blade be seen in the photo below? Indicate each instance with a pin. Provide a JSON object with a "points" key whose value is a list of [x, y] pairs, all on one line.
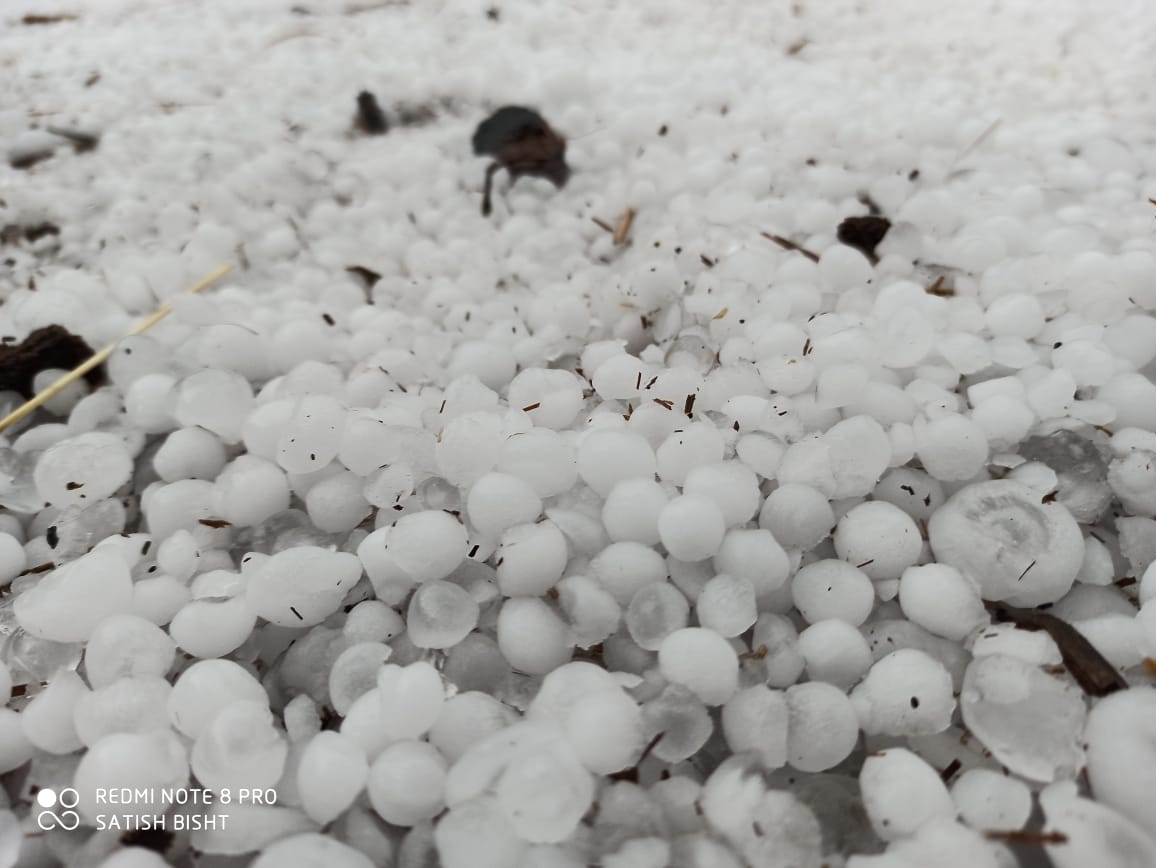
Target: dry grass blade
{"points": [[623, 229]]}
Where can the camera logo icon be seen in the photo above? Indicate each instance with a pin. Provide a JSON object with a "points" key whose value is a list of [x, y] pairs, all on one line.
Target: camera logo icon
{"points": [[67, 799]]}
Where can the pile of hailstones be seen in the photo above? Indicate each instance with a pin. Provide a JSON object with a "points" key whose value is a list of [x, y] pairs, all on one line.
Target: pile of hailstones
{"points": [[541, 630]]}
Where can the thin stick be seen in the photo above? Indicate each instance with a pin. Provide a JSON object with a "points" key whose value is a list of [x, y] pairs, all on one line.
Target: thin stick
{"points": [[102, 356], [788, 244], [624, 225]]}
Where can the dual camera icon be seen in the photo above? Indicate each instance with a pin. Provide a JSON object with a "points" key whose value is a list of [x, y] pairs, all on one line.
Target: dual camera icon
{"points": [[56, 809]]}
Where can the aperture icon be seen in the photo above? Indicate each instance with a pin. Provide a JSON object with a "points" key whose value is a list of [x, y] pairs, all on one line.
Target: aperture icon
{"points": [[48, 819]]}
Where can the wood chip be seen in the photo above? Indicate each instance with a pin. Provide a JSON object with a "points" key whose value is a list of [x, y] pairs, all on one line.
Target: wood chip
{"points": [[788, 244], [623, 229], [214, 522]]}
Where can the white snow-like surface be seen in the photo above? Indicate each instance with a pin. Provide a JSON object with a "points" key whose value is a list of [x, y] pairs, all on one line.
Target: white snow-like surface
{"points": [[493, 542]]}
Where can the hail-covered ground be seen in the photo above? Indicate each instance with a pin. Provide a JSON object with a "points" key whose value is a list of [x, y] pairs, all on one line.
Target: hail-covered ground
{"points": [[553, 539]]}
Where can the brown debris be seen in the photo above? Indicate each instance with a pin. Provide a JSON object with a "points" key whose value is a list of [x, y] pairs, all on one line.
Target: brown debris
{"points": [[939, 289], [623, 228], [41, 20], [863, 233], [370, 119], [788, 244], [50, 346], [214, 522], [1025, 836]]}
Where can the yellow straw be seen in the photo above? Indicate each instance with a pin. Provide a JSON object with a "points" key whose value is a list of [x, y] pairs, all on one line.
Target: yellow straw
{"points": [[101, 357]]}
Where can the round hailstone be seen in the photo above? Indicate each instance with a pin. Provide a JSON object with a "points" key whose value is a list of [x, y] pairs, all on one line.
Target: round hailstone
{"points": [[372, 621], [1094, 834], [336, 504], [545, 793], [312, 436], [913, 491], [557, 394], [880, 539], [466, 719], [240, 747], [158, 600], [624, 568], [987, 799], [428, 545], [126, 646], [207, 687], [310, 850], [754, 556], [411, 698], [532, 638], [835, 652], [906, 693], [218, 401], [13, 560], [15, 748], [732, 485], [67, 604], [940, 600], [609, 456], [189, 453], [756, 719], [1016, 315], [531, 559], [406, 783], [477, 834], [498, 501], [179, 555], [727, 606], [212, 628], [822, 730], [128, 705], [620, 377], [593, 613], [440, 615], [148, 764], [354, 673], [691, 528], [1031, 721], [1121, 753], [901, 792], [951, 448], [799, 516], [148, 403], [859, 453], [178, 506], [82, 470], [702, 661], [542, 458], [783, 662], [1013, 546], [606, 731], [301, 586], [833, 589], [331, 774], [656, 611], [491, 362], [49, 719], [694, 445], [631, 510]]}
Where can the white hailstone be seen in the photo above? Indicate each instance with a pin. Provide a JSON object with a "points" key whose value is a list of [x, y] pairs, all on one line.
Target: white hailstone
{"points": [[606, 731], [694, 445], [158, 600], [727, 605], [858, 453], [840, 385], [754, 555], [477, 834], [312, 434], [82, 470], [469, 447], [901, 792], [832, 589], [301, 586], [913, 491], [545, 793], [939, 599], [302, 717], [593, 613], [5, 683], [761, 453], [67, 604], [676, 795], [498, 501], [691, 528], [189, 453], [557, 393], [822, 729], [702, 661], [310, 850], [620, 377], [126, 646], [1121, 766], [987, 799], [951, 448], [134, 857], [336, 504], [905, 693], [631, 511], [544, 459], [440, 615], [1133, 396], [532, 638], [332, 772], [842, 267], [609, 456], [1052, 395], [799, 516], [354, 673], [731, 485], [428, 545], [215, 400], [390, 582], [756, 719], [638, 853], [372, 621], [1017, 315], [1031, 721], [15, 748], [835, 652], [782, 662], [466, 719], [1132, 478], [583, 531], [787, 374], [148, 764], [1014, 547], [406, 783], [178, 506], [49, 718], [148, 403], [240, 747], [13, 559], [531, 559], [491, 362], [362, 723], [625, 567], [179, 555], [656, 610], [212, 628], [207, 687], [881, 539], [411, 698], [1094, 833]]}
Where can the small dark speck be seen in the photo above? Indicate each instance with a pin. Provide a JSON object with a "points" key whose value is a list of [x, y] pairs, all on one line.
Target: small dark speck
{"points": [[72, 486], [144, 550], [52, 536], [293, 609], [312, 456], [915, 702], [663, 130], [494, 13], [913, 175], [328, 319], [927, 500]]}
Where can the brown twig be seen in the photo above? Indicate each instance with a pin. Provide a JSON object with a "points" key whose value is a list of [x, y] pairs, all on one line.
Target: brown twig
{"points": [[623, 229], [788, 244], [1025, 836]]}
